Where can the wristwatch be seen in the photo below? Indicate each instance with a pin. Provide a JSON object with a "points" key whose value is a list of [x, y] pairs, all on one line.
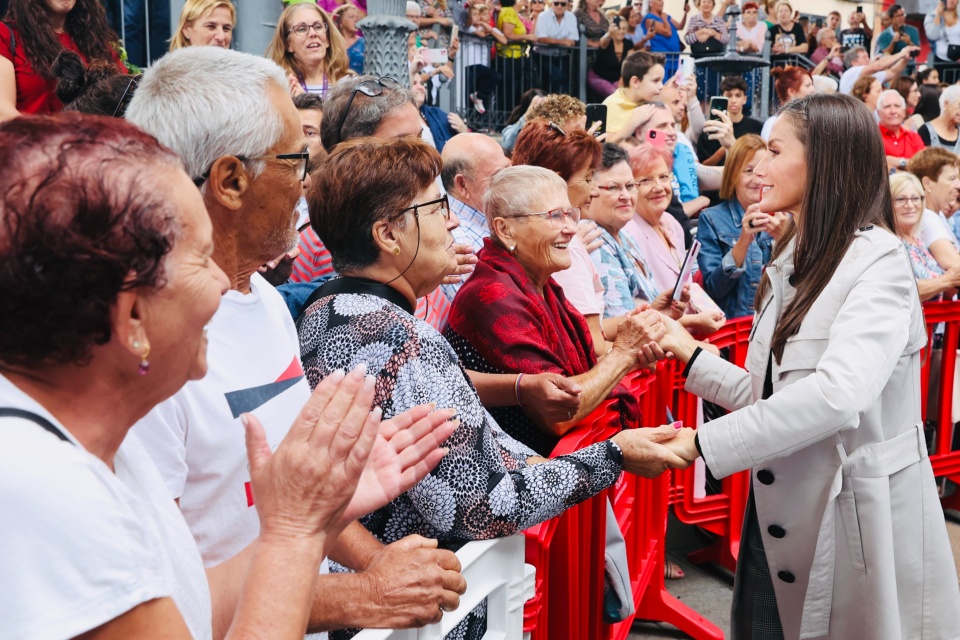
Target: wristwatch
{"points": [[903, 164]]}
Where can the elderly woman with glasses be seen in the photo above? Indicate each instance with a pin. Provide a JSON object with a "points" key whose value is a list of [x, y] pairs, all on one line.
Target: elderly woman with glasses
{"points": [[376, 206], [308, 46], [512, 317]]}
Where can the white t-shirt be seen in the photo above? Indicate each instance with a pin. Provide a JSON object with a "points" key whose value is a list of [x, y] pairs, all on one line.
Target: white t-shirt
{"points": [[196, 437], [81, 544], [934, 226], [851, 75]]}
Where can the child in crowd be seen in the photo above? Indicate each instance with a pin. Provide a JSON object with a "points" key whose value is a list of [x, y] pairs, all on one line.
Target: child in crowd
{"points": [[481, 79]]}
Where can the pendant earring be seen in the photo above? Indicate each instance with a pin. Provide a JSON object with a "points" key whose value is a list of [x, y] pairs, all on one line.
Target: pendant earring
{"points": [[144, 367]]}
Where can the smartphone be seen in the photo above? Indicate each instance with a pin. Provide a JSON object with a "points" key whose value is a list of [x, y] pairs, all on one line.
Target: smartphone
{"points": [[687, 65], [915, 54], [860, 8], [819, 23], [719, 103], [616, 21], [597, 112], [900, 30], [435, 56], [454, 32], [657, 138], [629, 3], [685, 270]]}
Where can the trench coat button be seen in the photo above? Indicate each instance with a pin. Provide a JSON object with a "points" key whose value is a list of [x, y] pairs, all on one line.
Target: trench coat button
{"points": [[765, 476], [776, 531], [786, 576]]}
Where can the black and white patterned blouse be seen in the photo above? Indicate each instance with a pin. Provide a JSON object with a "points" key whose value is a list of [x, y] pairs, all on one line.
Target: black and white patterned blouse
{"points": [[483, 488]]}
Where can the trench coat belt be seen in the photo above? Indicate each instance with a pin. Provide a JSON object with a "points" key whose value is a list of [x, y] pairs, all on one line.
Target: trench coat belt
{"points": [[869, 461]]}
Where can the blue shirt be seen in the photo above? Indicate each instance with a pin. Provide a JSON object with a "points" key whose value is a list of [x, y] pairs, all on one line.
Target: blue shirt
{"points": [[664, 44], [623, 283], [685, 170], [472, 231], [733, 288]]}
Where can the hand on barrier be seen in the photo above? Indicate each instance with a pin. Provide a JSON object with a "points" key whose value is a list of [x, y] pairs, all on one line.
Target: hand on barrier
{"points": [[466, 258], [644, 453], [590, 235], [549, 397], [683, 445], [411, 583]]}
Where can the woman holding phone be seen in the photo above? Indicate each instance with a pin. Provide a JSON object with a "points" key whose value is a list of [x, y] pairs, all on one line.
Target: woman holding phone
{"points": [[844, 535]]}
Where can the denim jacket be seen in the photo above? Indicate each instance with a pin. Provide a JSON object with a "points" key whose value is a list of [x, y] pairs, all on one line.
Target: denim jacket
{"points": [[731, 287]]}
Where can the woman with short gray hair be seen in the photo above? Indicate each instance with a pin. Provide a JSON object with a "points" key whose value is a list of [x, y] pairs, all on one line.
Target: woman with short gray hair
{"points": [[943, 131]]}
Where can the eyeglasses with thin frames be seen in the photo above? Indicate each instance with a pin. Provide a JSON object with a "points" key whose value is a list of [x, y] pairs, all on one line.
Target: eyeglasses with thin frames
{"points": [[617, 188], [443, 209], [555, 216], [301, 30], [901, 201], [370, 88], [302, 156]]}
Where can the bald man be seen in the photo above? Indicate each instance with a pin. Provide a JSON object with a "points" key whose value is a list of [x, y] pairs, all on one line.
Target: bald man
{"points": [[469, 162]]}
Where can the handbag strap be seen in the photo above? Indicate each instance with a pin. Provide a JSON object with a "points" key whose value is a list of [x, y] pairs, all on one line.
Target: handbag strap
{"points": [[9, 412]]}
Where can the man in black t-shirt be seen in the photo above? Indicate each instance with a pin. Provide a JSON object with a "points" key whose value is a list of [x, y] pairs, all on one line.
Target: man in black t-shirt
{"points": [[709, 150], [858, 35]]}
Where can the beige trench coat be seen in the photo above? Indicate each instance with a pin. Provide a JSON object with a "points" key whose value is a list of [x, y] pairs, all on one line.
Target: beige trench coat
{"points": [[848, 509]]}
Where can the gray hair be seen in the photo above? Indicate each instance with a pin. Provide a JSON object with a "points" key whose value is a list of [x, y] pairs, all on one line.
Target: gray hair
{"points": [[887, 94], [208, 102], [822, 33], [519, 189], [949, 95], [365, 113], [414, 7], [452, 166], [852, 54]]}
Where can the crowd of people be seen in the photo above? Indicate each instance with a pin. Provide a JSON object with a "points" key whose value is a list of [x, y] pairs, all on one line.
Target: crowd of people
{"points": [[281, 337]]}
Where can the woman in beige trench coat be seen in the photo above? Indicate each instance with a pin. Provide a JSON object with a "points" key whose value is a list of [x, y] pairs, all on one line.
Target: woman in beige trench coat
{"points": [[844, 525]]}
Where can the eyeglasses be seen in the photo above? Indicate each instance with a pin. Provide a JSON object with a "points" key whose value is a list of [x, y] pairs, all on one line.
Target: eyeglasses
{"points": [[617, 188], [443, 209], [902, 200], [371, 88], [559, 4], [536, 2], [301, 30], [554, 216], [302, 156]]}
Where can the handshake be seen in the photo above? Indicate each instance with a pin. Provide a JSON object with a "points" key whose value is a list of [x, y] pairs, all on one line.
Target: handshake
{"points": [[650, 452]]}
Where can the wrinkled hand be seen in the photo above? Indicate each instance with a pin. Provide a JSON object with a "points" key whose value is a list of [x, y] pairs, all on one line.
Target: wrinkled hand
{"points": [[720, 129], [644, 453], [639, 328], [303, 489], [412, 583], [590, 235], [405, 451], [550, 397], [276, 272], [466, 259], [457, 123], [683, 445]]}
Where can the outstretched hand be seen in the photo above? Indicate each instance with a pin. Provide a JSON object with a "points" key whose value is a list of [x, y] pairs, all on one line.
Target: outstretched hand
{"points": [[645, 453]]}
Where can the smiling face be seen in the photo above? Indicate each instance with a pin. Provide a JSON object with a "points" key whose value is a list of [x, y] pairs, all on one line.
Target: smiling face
{"points": [[654, 191], [542, 248], [175, 315], [907, 210], [748, 184], [212, 29], [942, 193], [310, 48], [782, 170], [582, 187], [618, 198], [675, 100], [663, 121]]}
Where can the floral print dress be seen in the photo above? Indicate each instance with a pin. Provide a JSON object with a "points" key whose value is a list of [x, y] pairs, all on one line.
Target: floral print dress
{"points": [[483, 488]]}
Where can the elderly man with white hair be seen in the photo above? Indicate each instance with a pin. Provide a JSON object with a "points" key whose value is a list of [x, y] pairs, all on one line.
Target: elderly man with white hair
{"points": [[229, 117], [827, 54], [900, 143], [884, 68], [944, 130]]}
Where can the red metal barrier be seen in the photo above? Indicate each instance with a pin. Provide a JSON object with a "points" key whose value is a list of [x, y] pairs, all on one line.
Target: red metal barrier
{"points": [[946, 463], [568, 550], [721, 513]]}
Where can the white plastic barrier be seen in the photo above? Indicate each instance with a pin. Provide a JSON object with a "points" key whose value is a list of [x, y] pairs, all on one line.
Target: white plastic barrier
{"points": [[495, 572]]}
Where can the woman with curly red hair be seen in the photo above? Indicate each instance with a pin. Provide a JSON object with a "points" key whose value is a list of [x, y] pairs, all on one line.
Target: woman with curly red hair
{"points": [[32, 36]]}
